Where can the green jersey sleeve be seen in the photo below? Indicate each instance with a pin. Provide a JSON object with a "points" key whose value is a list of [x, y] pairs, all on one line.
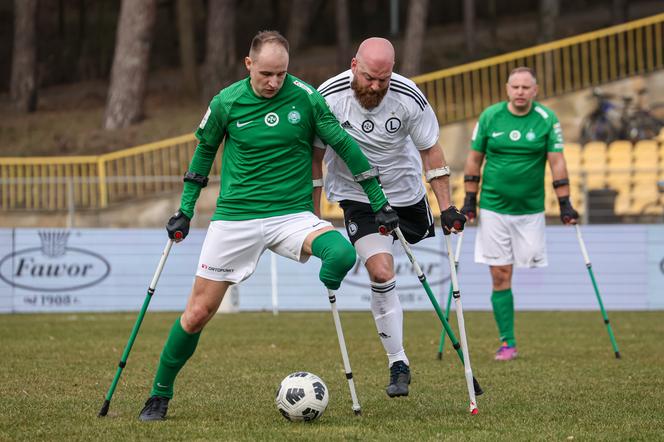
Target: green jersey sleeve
{"points": [[210, 134], [480, 135], [330, 131], [555, 137]]}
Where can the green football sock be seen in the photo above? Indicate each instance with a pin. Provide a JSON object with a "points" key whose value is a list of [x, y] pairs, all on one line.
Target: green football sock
{"points": [[337, 256], [179, 347], [503, 312]]}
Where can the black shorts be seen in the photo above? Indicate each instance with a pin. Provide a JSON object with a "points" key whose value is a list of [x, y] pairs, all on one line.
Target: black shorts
{"points": [[416, 221]]}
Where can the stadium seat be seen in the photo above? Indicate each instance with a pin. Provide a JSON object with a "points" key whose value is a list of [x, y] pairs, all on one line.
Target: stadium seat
{"points": [[623, 204], [619, 153], [594, 159], [330, 210], [457, 190], [646, 199], [573, 156], [646, 154]]}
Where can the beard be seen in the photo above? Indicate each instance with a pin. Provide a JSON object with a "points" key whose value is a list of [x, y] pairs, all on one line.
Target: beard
{"points": [[367, 97]]}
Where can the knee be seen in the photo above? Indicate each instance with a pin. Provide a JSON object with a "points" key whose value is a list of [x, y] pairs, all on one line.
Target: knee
{"points": [[340, 260], [337, 255], [502, 278], [381, 274], [196, 315], [194, 318]]}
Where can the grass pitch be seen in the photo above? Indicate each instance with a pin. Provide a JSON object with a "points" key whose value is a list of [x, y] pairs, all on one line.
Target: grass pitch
{"points": [[565, 385]]}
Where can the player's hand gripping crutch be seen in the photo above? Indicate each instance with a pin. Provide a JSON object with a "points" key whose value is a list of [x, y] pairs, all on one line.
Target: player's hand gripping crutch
{"points": [[589, 266], [462, 350], [344, 353], [137, 324], [457, 254]]}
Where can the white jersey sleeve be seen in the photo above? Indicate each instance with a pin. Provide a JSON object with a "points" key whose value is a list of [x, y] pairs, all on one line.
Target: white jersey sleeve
{"points": [[390, 136], [423, 125]]}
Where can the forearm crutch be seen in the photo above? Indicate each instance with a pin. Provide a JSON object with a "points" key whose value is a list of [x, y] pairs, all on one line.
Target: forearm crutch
{"points": [[344, 353], [472, 384], [589, 266], [449, 295], [134, 331]]}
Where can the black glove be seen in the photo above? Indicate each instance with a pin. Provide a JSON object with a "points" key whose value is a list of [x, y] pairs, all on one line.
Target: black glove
{"points": [[387, 220], [178, 226], [452, 218], [567, 212], [470, 206]]}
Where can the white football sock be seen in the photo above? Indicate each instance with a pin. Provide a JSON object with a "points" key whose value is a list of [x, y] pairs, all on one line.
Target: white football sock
{"points": [[388, 314]]}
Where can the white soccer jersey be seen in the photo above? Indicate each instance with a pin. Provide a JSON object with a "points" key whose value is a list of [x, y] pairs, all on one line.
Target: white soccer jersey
{"points": [[390, 135]]}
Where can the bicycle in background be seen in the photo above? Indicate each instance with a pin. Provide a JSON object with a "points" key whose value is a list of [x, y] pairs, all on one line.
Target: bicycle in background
{"points": [[629, 120]]}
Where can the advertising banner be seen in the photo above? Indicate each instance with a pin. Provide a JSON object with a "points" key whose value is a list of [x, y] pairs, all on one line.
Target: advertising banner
{"points": [[88, 270]]}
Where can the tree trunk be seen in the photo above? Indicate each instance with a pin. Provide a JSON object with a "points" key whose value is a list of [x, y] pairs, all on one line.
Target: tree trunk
{"points": [[415, 28], [220, 55], [469, 25], [187, 46], [549, 12], [299, 21], [493, 19], [23, 83], [343, 34], [126, 94], [620, 11]]}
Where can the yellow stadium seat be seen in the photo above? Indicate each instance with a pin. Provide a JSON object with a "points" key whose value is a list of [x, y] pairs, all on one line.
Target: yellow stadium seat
{"points": [[648, 177], [619, 154], [623, 201], [572, 154], [646, 155], [330, 210], [646, 199], [594, 159]]}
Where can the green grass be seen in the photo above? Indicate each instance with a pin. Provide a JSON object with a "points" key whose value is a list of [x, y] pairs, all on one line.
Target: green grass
{"points": [[566, 384]]}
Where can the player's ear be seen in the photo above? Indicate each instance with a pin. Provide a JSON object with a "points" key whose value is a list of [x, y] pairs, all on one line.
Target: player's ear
{"points": [[247, 63]]}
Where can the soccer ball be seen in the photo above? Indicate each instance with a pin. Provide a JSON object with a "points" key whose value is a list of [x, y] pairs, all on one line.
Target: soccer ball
{"points": [[302, 396]]}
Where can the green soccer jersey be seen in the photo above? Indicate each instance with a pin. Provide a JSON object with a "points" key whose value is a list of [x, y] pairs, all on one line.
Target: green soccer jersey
{"points": [[266, 161], [515, 149]]}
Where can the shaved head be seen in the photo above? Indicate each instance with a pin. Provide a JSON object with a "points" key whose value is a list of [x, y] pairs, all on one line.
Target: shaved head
{"points": [[377, 54], [372, 71]]}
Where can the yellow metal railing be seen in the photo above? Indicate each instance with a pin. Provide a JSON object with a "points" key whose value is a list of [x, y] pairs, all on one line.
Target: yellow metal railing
{"points": [[562, 66], [93, 182]]}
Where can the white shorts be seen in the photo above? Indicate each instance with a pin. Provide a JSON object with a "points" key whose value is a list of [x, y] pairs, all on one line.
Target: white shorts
{"points": [[231, 249], [511, 239]]}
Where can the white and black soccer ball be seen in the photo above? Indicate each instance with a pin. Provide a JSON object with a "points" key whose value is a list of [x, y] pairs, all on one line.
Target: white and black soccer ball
{"points": [[302, 396]]}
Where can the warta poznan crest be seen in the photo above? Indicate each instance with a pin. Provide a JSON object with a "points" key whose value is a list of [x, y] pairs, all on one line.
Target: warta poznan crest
{"points": [[54, 266]]}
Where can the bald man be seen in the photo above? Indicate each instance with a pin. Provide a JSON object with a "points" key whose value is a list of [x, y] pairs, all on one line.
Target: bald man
{"points": [[266, 122], [398, 132]]}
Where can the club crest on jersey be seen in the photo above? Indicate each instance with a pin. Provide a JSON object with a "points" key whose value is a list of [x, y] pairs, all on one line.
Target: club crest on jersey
{"points": [[294, 117], [515, 135], [271, 119], [530, 136], [367, 126], [392, 125]]}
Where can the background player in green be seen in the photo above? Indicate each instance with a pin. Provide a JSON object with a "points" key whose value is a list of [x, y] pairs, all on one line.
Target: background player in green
{"points": [[516, 138], [267, 122]]}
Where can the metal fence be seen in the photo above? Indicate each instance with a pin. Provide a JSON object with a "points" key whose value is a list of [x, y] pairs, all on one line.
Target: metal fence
{"points": [[627, 177], [562, 66], [95, 182]]}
